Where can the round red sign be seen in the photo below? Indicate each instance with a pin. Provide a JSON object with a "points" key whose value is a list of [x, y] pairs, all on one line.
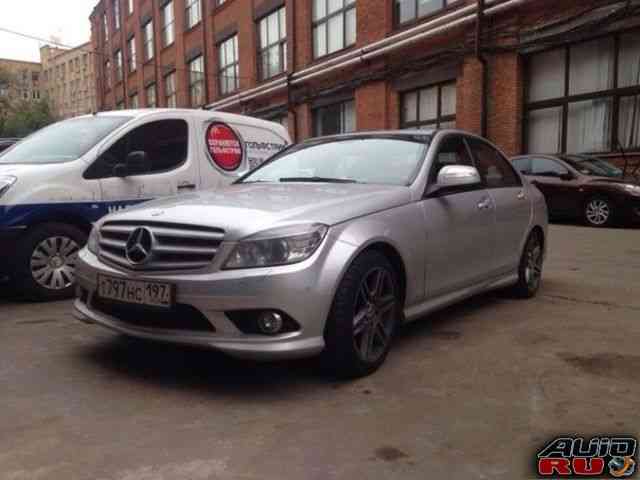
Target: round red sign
{"points": [[224, 146]]}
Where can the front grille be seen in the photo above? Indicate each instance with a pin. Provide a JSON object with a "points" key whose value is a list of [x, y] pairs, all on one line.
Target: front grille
{"points": [[176, 246], [179, 317]]}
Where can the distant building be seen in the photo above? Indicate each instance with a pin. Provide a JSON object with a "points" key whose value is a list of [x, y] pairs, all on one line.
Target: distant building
{"points": [[70, 81], [20, 80]]}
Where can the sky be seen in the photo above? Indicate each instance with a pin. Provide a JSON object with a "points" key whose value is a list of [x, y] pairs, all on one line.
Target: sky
{"points": [[68, 20]]}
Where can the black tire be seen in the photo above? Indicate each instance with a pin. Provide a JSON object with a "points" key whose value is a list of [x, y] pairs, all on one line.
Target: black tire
{"points": [[599, 212], [528, 280], [31, 245], [343, 356]]}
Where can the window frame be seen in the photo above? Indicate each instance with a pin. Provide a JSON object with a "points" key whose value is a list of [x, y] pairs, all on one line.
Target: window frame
{"points": [[174, 92], [198, 81], [417, 123], [341, 103], [165, 27], [188, 6], [148, 41], [119, 65], [116, 15], [615, 94], [235, 65], [89, 172], [447, 5], [132, 60], [281, 43], [316, 22], [152, 87]]}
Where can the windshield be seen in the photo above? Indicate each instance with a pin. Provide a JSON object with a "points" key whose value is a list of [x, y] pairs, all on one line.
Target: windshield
{"points": [[63, 141], [390, 161], [594, 166]]}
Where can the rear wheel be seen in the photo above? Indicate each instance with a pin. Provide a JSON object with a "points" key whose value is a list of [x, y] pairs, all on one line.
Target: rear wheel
{"points": [[46, 261], [598, 212], [530, 268], [363, 318]]}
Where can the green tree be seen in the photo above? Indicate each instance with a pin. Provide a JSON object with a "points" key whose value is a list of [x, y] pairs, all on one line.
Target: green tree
{"points": [[26, 117]]}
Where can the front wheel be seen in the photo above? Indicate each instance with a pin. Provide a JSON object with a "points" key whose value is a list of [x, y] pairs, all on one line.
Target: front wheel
{"points": [[46, 261], [363, 317]]}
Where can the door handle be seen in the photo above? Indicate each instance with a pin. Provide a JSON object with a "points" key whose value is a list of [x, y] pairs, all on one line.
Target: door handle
{"points": [[521, 196], [186, 185], [485, 204]]}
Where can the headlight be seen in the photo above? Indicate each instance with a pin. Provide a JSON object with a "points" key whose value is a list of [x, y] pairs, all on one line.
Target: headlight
{"points": [[6, 182], [93, 244], [632, 189], [280, 246]]}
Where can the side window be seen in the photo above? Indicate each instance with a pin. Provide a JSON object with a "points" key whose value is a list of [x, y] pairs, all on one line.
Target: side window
{"points": [[545, 167], [164, 142], [523, 165], [452, 151], [493, 167]]}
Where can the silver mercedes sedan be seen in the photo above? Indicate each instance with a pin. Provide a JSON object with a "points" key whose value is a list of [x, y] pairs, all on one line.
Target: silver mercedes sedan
{"points": [[326, 249]]}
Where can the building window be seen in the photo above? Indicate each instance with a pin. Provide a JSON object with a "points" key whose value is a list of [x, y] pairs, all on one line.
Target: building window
{"points": [[584, 97], [409, 10], [168, 20], [118, 63], [133, 101], [116, 14], [196, 81], [272, 44], [105, 27], [150, 92], [170, 90], [334, 25], [147, 37], [107, 74], [131, 54], [430, 107], [334, 119], [193, 13], [228, 65], [130, 6]]}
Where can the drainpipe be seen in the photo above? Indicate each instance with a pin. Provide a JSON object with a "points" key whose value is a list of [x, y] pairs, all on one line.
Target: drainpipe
{"points": [[291, 108], [485, 69]]}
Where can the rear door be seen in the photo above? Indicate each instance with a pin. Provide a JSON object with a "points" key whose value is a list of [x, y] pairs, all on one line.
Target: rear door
{"points": [[512, 207], [170, 168], [460, 227]]}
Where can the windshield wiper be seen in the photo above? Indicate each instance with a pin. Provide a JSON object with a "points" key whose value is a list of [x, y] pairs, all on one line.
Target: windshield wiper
{"points": [[317, 180]]}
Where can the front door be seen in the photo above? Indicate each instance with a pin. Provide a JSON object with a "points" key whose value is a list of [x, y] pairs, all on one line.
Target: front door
{"points": [[460, 227], [169, 169], [559, 187]]}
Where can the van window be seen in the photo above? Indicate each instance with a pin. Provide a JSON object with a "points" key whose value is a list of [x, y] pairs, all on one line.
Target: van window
{"points": [[165, 143], [63, 141]]}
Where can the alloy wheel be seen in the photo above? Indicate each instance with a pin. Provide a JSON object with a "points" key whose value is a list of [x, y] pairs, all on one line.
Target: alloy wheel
{"points": [[53, 262], [373, 320], [533, 266], [598, 212]]}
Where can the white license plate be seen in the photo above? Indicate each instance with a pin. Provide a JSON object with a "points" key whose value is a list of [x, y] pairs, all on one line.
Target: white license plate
{"points": [[155, 294]]}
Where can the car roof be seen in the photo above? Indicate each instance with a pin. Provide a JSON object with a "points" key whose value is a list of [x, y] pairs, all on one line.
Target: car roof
{"points": [[430, 132], [204, 115]]}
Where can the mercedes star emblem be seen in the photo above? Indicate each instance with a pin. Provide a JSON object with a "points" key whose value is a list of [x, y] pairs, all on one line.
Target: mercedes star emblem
{"points": [[139, 246]]}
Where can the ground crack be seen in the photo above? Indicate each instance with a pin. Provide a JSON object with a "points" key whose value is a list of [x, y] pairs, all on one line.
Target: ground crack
{"points": [[592, 302]]}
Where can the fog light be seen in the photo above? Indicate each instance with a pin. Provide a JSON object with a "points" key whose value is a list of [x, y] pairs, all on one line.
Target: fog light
{"points": [[270, 323]]}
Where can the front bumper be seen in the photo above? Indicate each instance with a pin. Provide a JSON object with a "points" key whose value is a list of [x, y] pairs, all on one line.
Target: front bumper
{"points": [[303, 291]]}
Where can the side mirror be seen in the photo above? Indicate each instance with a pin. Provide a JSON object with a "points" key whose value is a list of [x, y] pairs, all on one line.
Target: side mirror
{"points": [[120, 170], [137, 162], [458, 176]]}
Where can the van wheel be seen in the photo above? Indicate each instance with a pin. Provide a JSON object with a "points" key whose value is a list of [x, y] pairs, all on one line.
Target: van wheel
{"points": [[46, 261], [363, 317]]}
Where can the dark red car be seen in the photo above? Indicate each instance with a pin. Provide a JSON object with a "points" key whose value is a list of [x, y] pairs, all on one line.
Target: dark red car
{"points": [[583, 187]]}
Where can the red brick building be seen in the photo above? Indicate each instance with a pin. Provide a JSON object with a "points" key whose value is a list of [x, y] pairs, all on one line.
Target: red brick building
{"points": [[534, 75]]}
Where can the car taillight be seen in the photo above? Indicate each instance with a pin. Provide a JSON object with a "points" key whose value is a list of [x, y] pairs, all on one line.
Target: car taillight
{"points": [[224, 146]]}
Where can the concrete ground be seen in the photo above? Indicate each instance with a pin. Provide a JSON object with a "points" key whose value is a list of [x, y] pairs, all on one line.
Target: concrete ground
{"points": [[472, 392]]}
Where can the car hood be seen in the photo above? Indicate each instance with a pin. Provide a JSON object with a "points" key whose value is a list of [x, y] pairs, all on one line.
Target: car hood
{"points": [[244, 209]]}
